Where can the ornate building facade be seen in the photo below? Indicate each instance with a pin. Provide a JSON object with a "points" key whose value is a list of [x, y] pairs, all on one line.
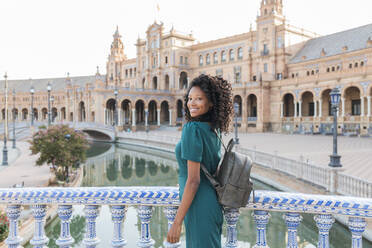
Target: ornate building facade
{"points": [[281, 77]]}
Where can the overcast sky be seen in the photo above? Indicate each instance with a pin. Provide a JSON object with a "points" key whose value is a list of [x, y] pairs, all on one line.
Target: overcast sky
{"points": [[48, 38]]}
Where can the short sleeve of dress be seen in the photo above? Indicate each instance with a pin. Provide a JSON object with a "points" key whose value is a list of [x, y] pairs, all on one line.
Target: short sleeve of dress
{"points": [[191, 143]]}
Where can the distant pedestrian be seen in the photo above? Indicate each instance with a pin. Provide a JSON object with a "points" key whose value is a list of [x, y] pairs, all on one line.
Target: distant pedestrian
{"points": [[208, 108]]}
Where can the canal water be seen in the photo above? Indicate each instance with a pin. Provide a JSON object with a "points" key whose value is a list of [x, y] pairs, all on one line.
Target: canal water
{"points": [[127, 165]]}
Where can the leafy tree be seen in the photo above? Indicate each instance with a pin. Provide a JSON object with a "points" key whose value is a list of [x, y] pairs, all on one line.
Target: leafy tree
{"points": [[60, 146]]}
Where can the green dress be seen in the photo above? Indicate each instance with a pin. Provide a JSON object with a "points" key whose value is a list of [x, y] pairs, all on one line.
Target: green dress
{"points": [[203, 220]]}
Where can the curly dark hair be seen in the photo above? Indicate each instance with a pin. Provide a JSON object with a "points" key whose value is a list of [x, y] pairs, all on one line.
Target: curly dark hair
{"points": [[218, 92]]}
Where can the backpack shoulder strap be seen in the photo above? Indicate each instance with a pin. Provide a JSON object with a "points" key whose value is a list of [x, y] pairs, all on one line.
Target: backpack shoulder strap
{"points": [[209, 176], [218, 136]]}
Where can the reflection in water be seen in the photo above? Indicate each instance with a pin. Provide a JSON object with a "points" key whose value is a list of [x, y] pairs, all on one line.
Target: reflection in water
{"points": [[116, 169], [112, 171]]}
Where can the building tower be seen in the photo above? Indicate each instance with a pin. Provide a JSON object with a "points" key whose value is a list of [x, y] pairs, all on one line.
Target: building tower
{"points": [[115, 58]]}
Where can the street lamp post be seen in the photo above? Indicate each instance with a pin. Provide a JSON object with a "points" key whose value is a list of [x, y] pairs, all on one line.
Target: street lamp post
{"points": [[5, 149], [115, 112], [236, 110], [49, 88], [32, 91], [52, 101], [335, 101], [14, 117]]}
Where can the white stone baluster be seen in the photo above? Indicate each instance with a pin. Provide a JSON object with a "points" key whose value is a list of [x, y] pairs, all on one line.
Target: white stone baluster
{"points": [[91, 213], [292, 220], [39, 240], [231, 217], [324, 223], [261, 218], [65, 240], [118, 216], [357, 226], [170, 212], [145, 214], [13, 212]]}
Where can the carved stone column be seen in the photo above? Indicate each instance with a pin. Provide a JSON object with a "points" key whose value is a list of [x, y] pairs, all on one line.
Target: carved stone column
{"points": [[145, 214], [231, 217], [261, 218], [133, 117], [158, 114], [324, 223], [13, 212], [357, 227], [65, 240], [91, 213], [39, 240], [292, 220], [118, 216]]}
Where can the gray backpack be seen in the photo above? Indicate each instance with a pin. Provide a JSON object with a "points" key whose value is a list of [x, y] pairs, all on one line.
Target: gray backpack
{"points": [[232, 179]]}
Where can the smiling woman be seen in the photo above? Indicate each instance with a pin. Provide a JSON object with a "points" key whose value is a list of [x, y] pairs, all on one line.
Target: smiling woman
{"points": [[208, 109]]}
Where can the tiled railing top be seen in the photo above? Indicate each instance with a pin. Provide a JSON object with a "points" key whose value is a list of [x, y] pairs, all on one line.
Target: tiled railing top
{"points": [[165, 196]]}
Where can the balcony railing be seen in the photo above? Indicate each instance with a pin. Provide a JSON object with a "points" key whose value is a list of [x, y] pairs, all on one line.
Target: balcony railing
{"points": [[252, 119], [146, 198]]}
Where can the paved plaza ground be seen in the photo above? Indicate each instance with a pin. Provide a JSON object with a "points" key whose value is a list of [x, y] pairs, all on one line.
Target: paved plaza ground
{"points": [[356, 152]]}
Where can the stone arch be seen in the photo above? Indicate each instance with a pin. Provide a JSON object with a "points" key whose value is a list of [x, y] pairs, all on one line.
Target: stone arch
{"points": [[155, 83], [166, 82], [153, 117], [71, 118], [44, 114], [54, 114], [180, 108], [14, 114], [81, 112], [352, 101], [24, 114], [140, 111], [252, 105], [343, 90], [164, 112], [63, 113], [110, 111], [183, 82], [307, 105], [126, 108], [288, 105], [36, 114], [326, 102], [238, 100]]}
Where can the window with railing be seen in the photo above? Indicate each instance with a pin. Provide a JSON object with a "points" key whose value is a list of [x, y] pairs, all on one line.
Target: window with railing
{"points": [[208, 59], [232, 55], [200, 60], [215, 58], [223, 56], [240, 53], [355, 107]]}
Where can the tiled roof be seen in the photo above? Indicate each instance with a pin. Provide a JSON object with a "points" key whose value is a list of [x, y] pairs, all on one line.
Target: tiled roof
{"points": [[58, 84], [334, 44]]}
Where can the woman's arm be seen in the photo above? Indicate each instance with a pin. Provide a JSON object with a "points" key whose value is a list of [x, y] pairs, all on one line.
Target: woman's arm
{"points": [[191, 187]]}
